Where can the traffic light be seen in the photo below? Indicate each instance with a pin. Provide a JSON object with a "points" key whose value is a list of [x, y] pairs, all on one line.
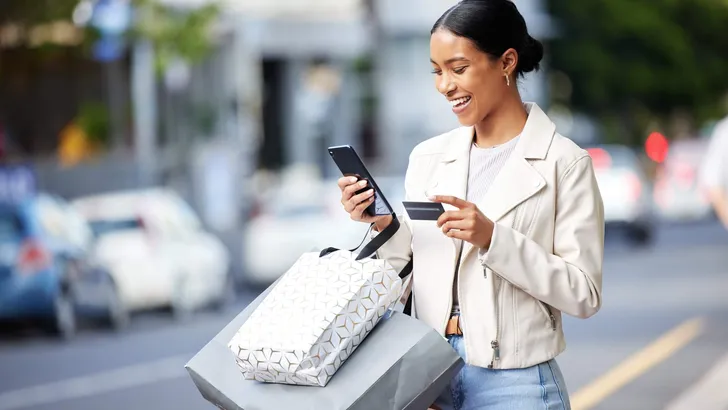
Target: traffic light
{"points": [[656, 147]]}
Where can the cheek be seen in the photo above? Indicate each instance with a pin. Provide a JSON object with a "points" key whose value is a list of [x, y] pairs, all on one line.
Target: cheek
{"points": [[487, 90]]}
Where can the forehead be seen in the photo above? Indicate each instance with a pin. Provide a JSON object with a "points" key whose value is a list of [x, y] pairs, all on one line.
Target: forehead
{"points": [[445, 45]]}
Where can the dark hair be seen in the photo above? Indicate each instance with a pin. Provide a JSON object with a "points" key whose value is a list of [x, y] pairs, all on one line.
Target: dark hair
{"points": [[493, 26]]}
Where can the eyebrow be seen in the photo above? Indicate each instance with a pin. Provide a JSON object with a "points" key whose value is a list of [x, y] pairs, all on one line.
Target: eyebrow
{"points": [[451, 60]]}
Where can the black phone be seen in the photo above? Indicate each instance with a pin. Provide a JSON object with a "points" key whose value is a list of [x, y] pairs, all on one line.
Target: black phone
{"points": [[350, 164], [424, 211]]}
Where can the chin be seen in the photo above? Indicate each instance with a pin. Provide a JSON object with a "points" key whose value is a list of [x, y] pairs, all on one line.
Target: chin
{"points": [[467, 120]]}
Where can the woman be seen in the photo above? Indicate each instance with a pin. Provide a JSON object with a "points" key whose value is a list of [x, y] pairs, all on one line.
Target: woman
{"points": [[522, 238]]}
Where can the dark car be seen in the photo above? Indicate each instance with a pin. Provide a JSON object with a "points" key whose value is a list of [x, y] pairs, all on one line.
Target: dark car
{"points": [[45, 275]]}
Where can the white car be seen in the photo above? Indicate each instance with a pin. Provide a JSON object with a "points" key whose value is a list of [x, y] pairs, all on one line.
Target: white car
{"points": [[678, 194], [295, 219], [156, 251], [626, 191]]}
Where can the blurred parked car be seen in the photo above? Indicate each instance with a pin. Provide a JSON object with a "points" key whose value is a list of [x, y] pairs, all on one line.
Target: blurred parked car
{"points": [[301, 218], [44, 270], [625, 191], [157, 252], [678, 195]]}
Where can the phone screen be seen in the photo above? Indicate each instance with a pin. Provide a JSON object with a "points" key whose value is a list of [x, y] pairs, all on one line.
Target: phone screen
{"points": [[380, 207]]}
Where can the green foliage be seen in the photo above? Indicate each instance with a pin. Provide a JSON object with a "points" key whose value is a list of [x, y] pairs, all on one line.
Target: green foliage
{"points": [[183, 34], [174, 33], [36, 11], [641, 60], [93, 118]]}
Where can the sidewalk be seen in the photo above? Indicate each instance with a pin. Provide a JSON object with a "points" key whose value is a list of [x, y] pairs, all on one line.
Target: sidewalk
{"points": [[708, 393]]}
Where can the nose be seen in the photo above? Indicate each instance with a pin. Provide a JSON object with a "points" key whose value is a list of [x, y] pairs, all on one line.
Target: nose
{"points": [[445, 85]]}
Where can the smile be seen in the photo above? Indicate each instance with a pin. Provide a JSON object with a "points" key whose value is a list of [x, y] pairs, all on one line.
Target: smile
{"points": [[459, 105]]}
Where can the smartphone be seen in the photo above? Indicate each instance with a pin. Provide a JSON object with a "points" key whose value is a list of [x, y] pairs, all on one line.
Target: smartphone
{"points": [[423, 211], [351, 165]]}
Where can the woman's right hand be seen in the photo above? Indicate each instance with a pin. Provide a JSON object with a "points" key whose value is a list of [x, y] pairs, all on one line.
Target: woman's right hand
{"points": [[356, 204]]}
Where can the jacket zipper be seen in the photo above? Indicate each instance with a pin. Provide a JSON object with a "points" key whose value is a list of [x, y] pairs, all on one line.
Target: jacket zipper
{"points": [[495, 345], [548, 314]]}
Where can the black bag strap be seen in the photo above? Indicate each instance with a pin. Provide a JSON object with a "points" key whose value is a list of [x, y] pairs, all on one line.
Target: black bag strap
{"points": [[373, 246], [408, 306]]}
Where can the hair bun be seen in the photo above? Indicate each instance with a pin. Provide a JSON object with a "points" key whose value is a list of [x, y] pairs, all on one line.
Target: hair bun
{"points": [[530, 56]]}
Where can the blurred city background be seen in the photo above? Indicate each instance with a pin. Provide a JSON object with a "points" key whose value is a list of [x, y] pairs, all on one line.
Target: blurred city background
{"points": [[162, 161]]}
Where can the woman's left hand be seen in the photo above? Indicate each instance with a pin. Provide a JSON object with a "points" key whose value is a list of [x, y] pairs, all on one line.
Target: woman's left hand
{"points": [[466, 223]]}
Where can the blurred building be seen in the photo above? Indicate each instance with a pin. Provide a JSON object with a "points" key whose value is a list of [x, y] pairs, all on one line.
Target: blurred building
{"points": [[287, 79], [311, 91], [315, 92]]}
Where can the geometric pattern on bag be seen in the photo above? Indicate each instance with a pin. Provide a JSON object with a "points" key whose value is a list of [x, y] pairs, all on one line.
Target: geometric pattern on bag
{"points": [[315, 317]]}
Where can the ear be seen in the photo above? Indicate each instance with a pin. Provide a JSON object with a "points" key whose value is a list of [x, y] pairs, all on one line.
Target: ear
{"points": [[509, 61]]}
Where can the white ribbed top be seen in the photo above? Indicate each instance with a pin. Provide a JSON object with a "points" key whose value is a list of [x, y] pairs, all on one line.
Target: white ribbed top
{"points": [[485, 164]]}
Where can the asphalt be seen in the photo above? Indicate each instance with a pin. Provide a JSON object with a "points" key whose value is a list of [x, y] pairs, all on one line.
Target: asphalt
{"points": [[647, 292]]}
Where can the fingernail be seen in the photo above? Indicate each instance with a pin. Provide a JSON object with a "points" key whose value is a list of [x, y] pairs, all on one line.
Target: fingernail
{"points": [[353, 179], [363, 183], [369, 192], [431, 197]]}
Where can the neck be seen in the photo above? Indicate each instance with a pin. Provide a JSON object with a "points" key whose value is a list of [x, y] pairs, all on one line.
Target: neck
{"points": [[502, 124]]}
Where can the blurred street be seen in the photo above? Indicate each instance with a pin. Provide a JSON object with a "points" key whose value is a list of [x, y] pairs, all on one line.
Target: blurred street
{"points": [[647, 293], [163, 161]]}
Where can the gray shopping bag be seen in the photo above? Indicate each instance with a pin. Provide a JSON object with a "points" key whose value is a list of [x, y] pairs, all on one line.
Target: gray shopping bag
{"points": [[402, 364]]}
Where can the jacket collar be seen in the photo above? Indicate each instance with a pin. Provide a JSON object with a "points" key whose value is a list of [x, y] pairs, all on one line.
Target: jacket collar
{"points": [[534, 142], [517, 180]]}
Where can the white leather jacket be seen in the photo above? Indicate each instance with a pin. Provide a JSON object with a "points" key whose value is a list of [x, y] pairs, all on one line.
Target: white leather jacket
{"points": [[546, 252]]}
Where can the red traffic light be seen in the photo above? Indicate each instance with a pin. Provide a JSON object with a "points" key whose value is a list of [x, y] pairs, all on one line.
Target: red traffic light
{"points": [[656, 147]]}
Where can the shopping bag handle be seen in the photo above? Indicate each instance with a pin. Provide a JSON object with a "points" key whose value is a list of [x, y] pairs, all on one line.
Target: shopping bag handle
{"points": [[373, 246]]}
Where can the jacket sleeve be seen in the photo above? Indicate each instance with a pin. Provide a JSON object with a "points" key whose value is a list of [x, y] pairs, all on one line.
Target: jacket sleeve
{"points": [[570, 277], [398, 250]]}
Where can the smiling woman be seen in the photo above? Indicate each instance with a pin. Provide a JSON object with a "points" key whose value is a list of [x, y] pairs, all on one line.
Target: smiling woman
{"points": [[478, 48], [521, 240]]}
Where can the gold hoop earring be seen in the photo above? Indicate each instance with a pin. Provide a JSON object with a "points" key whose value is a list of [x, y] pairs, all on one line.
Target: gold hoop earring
{"points": [[508, 80]]}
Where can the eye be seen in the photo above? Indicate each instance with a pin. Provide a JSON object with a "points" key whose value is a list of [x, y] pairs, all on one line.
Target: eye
{"points": [[459, 70], [436, 71]]}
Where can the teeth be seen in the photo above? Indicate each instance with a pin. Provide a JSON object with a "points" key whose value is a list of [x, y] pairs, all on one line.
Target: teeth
{"points": [[459, 101]]}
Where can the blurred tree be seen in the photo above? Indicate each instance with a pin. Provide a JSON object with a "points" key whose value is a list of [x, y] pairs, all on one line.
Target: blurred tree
{"points": [[84, 136], [174, 33], [632, 62], [34, 12]]}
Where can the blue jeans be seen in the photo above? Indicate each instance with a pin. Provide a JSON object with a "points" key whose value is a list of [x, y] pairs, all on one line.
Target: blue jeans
{"points": [[539, 387]]}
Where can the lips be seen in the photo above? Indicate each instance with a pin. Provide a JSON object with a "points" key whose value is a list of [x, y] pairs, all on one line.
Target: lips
{"points": [[460, 101], [460, 104]]}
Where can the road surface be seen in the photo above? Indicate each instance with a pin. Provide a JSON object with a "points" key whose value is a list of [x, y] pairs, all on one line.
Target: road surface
{"points": [[663, 327]]}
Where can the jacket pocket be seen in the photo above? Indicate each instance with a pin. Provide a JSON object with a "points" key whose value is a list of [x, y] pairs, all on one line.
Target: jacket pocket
{"points": [[547, 312]]}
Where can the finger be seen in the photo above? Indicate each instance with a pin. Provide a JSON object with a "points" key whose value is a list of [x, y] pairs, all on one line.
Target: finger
{"points": [[450, 216], [359, 209], [464, 235], [357, 199], [451, 200], [344, 182], [461, 225], [351, 190]]}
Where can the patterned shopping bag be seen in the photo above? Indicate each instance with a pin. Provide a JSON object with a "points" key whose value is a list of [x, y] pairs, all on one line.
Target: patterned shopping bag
{"points": [[318, 313]]}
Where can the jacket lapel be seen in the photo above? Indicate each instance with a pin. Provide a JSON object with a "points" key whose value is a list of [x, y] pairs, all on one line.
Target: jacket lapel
{"points": [[518, 180], [451, 177]]}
